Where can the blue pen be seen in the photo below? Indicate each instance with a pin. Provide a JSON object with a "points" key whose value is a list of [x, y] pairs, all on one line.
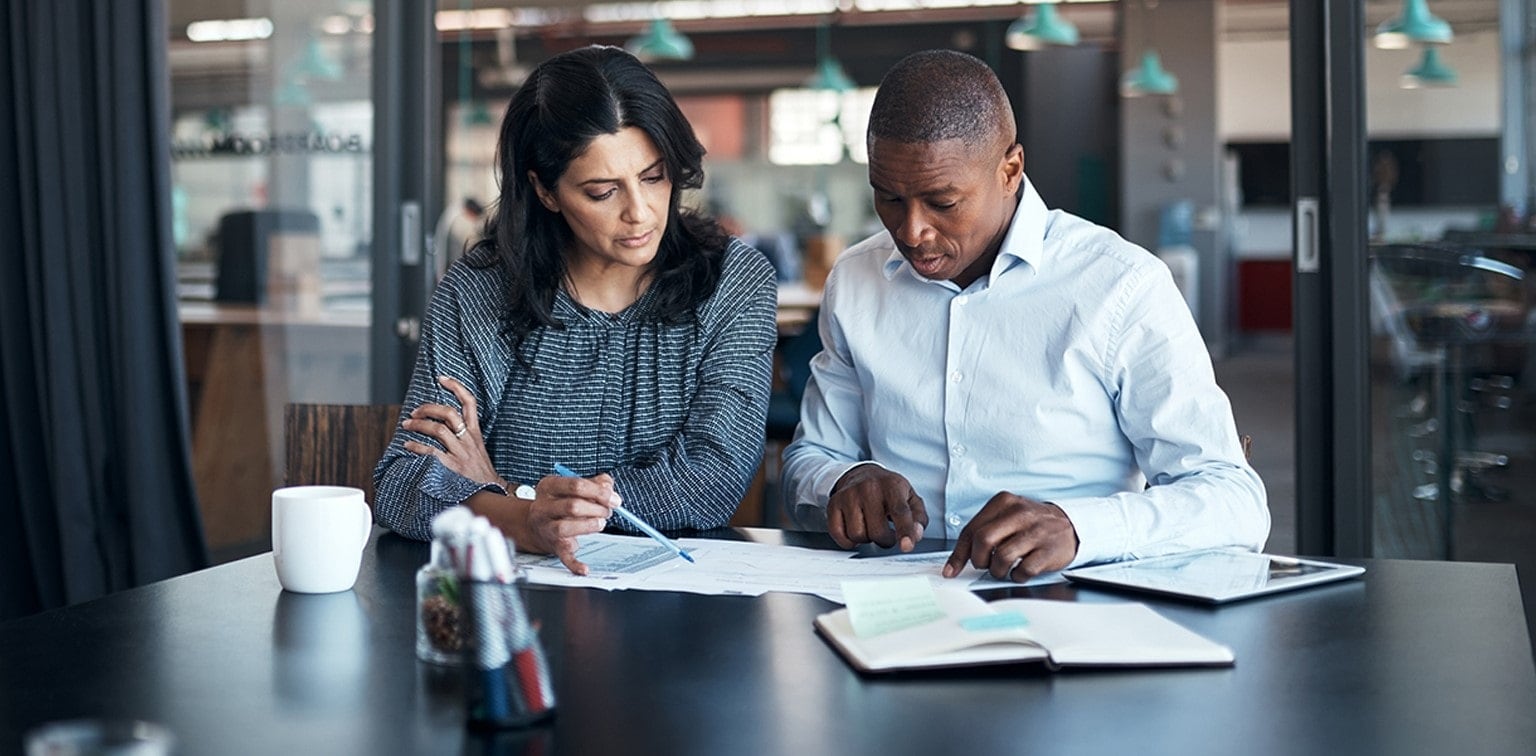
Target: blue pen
{"points": [[644, 526]]}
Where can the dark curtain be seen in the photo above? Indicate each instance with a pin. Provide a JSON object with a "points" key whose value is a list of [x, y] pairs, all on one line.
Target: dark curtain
{"points": [[96, 490]]}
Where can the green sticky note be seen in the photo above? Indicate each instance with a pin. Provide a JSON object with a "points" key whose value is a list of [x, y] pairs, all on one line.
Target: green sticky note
{"points": [[884, 605], [999, 621]]}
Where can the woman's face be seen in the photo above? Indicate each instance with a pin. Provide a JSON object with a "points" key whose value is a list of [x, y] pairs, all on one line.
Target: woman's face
{"points": [[615, 197]]}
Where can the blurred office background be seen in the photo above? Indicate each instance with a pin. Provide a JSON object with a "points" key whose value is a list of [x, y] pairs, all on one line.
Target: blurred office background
{"points": [[330, 157]]}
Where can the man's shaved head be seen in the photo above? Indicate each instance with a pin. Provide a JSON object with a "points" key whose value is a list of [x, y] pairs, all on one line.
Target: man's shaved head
{"points": [[939, 95]]}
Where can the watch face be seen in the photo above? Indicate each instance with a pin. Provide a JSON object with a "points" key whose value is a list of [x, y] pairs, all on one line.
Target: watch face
{"points": [[524, 491]]}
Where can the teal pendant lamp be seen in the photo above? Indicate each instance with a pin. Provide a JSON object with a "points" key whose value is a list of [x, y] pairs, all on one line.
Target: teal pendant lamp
{"points": [[829, 75], [1430, 72], [1414, 24], [292, 93], [315, 64], [312, 65], [661, 41], [474, 112], [1045, 27], [478, 114], [1149, 78]]}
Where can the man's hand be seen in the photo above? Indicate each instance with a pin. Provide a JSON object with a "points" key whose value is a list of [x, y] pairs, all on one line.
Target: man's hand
{"points": [[873, 504], [1015, 538]]}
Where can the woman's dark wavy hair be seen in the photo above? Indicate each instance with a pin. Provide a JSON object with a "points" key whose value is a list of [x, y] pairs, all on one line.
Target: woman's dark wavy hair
{"points": [[566, 102]]}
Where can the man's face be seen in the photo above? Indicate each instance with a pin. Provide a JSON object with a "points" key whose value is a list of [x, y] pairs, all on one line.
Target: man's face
{"points": [[947, 204]]}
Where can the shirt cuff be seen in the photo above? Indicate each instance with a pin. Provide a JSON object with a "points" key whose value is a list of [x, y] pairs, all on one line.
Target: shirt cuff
{"points": [[1100, 529], [444, 484]]}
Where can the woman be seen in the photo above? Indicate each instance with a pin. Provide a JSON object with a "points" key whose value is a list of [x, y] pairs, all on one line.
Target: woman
{"points": [[596, 325]]}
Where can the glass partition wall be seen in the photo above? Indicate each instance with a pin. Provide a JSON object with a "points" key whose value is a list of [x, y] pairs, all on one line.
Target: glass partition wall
{"points": [[1415, 249], [272, 201], [1451, 250]]}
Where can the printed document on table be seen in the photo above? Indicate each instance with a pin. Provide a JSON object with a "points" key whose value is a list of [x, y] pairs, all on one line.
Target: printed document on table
{"points": [[739, 568]]}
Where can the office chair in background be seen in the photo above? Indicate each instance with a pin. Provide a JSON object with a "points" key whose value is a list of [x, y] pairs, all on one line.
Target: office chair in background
{"points": [[792, 371], [793, 368], [261, 251], [1452, 317]]}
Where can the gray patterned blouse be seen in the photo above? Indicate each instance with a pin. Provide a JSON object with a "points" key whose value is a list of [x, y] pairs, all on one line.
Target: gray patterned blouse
{"points": [[674, 413]]}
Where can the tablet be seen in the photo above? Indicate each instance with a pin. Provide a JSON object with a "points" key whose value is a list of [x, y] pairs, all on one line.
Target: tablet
{"points": [[1213, 576]]}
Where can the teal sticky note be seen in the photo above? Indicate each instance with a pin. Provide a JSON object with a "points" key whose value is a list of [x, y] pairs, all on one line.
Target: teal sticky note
{"points": [[999, 621], [884, 605]]}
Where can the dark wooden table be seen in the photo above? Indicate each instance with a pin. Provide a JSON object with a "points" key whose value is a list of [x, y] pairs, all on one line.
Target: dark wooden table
{"points": [[1416, 658]]}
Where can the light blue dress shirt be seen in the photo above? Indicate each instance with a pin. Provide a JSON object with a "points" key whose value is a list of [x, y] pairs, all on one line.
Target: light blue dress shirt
{"points": [[1063, 375]]}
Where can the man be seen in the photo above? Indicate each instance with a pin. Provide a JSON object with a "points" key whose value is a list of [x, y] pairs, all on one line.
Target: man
{"points": [[1001, 375]]}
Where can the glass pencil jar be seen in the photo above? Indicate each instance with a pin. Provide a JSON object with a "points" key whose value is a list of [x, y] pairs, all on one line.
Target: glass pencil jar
{"points": [[439, 616], [507, 677]]}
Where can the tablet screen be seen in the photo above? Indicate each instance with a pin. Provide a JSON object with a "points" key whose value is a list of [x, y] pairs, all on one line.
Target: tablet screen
{"points": [[1216, 575]]}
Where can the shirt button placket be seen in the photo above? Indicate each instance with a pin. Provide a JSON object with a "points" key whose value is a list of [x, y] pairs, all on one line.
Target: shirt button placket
{"points": [[953, 410]]}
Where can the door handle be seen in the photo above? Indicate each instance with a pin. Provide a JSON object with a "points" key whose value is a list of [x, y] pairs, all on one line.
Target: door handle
{"points": [[410, 232], [1307, 252], [408, 327]]}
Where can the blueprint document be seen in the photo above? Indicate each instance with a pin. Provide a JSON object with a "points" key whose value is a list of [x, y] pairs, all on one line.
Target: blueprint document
{"points": [[739, 568]]}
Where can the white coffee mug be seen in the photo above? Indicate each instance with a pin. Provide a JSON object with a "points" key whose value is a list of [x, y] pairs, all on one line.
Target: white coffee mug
{"points": [[318, 534]]}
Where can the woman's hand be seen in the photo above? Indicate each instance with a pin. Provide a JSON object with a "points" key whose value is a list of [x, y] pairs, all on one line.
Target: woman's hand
{"points": [[564, 508], [459, 432]]}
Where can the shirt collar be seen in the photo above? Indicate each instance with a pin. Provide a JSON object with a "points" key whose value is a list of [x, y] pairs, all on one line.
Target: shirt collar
{"points": [[1024, 242]]}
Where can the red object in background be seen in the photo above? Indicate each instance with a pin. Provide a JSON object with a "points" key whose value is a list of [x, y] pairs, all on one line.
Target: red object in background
{"points": [[719, 122], [1264, 295]]}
